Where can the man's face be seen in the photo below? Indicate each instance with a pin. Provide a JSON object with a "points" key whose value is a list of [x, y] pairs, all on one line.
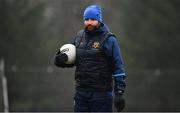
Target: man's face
{"points": [[91, 24]]}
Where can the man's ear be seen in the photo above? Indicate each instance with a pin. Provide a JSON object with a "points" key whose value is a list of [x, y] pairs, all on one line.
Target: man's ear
{"points": [[98, 25]]}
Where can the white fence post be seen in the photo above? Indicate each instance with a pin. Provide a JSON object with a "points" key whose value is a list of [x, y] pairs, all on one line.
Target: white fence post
{"points": [[4, 86]]}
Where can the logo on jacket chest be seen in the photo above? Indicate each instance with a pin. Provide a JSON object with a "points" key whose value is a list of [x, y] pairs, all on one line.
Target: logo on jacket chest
{"points": [[96, 45]]}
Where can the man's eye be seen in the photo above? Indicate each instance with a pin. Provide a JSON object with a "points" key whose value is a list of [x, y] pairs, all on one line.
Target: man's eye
{"points": [[92, 19]]}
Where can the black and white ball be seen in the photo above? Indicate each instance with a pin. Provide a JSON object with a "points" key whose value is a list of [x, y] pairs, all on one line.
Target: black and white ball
{"points": [[70, 51]]}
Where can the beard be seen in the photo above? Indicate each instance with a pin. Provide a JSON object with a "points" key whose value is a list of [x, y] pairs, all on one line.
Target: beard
{"points": [[91, 28]]}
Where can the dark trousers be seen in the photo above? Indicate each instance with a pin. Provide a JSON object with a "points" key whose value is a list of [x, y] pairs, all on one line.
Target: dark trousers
{"points": [[93, 101]]}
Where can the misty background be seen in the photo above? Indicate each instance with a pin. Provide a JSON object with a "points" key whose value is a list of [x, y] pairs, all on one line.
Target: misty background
{"points": [[31, 31]]}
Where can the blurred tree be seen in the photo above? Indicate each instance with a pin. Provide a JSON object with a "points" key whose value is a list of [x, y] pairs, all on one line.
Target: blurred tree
{"points": [[152, 40], [19, 31], [19, 41], [152, 30]]}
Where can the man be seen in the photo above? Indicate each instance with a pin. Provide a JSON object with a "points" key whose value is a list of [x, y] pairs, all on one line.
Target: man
{"points": [[98, 63]]}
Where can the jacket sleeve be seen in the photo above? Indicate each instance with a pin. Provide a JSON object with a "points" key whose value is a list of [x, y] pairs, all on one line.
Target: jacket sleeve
{"points": [[112, 50]]}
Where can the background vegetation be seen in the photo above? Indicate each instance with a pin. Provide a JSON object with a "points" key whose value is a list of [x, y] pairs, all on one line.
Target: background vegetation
{"points": [[31, 31]]}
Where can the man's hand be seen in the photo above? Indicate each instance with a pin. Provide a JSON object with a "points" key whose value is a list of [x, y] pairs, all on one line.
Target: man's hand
{"points": [[119, 101], [61, 58]]}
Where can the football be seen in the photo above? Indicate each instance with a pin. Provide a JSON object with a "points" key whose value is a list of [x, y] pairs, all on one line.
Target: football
{"points": [[70, 51]]}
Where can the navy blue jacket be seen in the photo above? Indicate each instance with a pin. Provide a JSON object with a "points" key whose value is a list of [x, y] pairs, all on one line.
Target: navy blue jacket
{"points": [[112, 49]]}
